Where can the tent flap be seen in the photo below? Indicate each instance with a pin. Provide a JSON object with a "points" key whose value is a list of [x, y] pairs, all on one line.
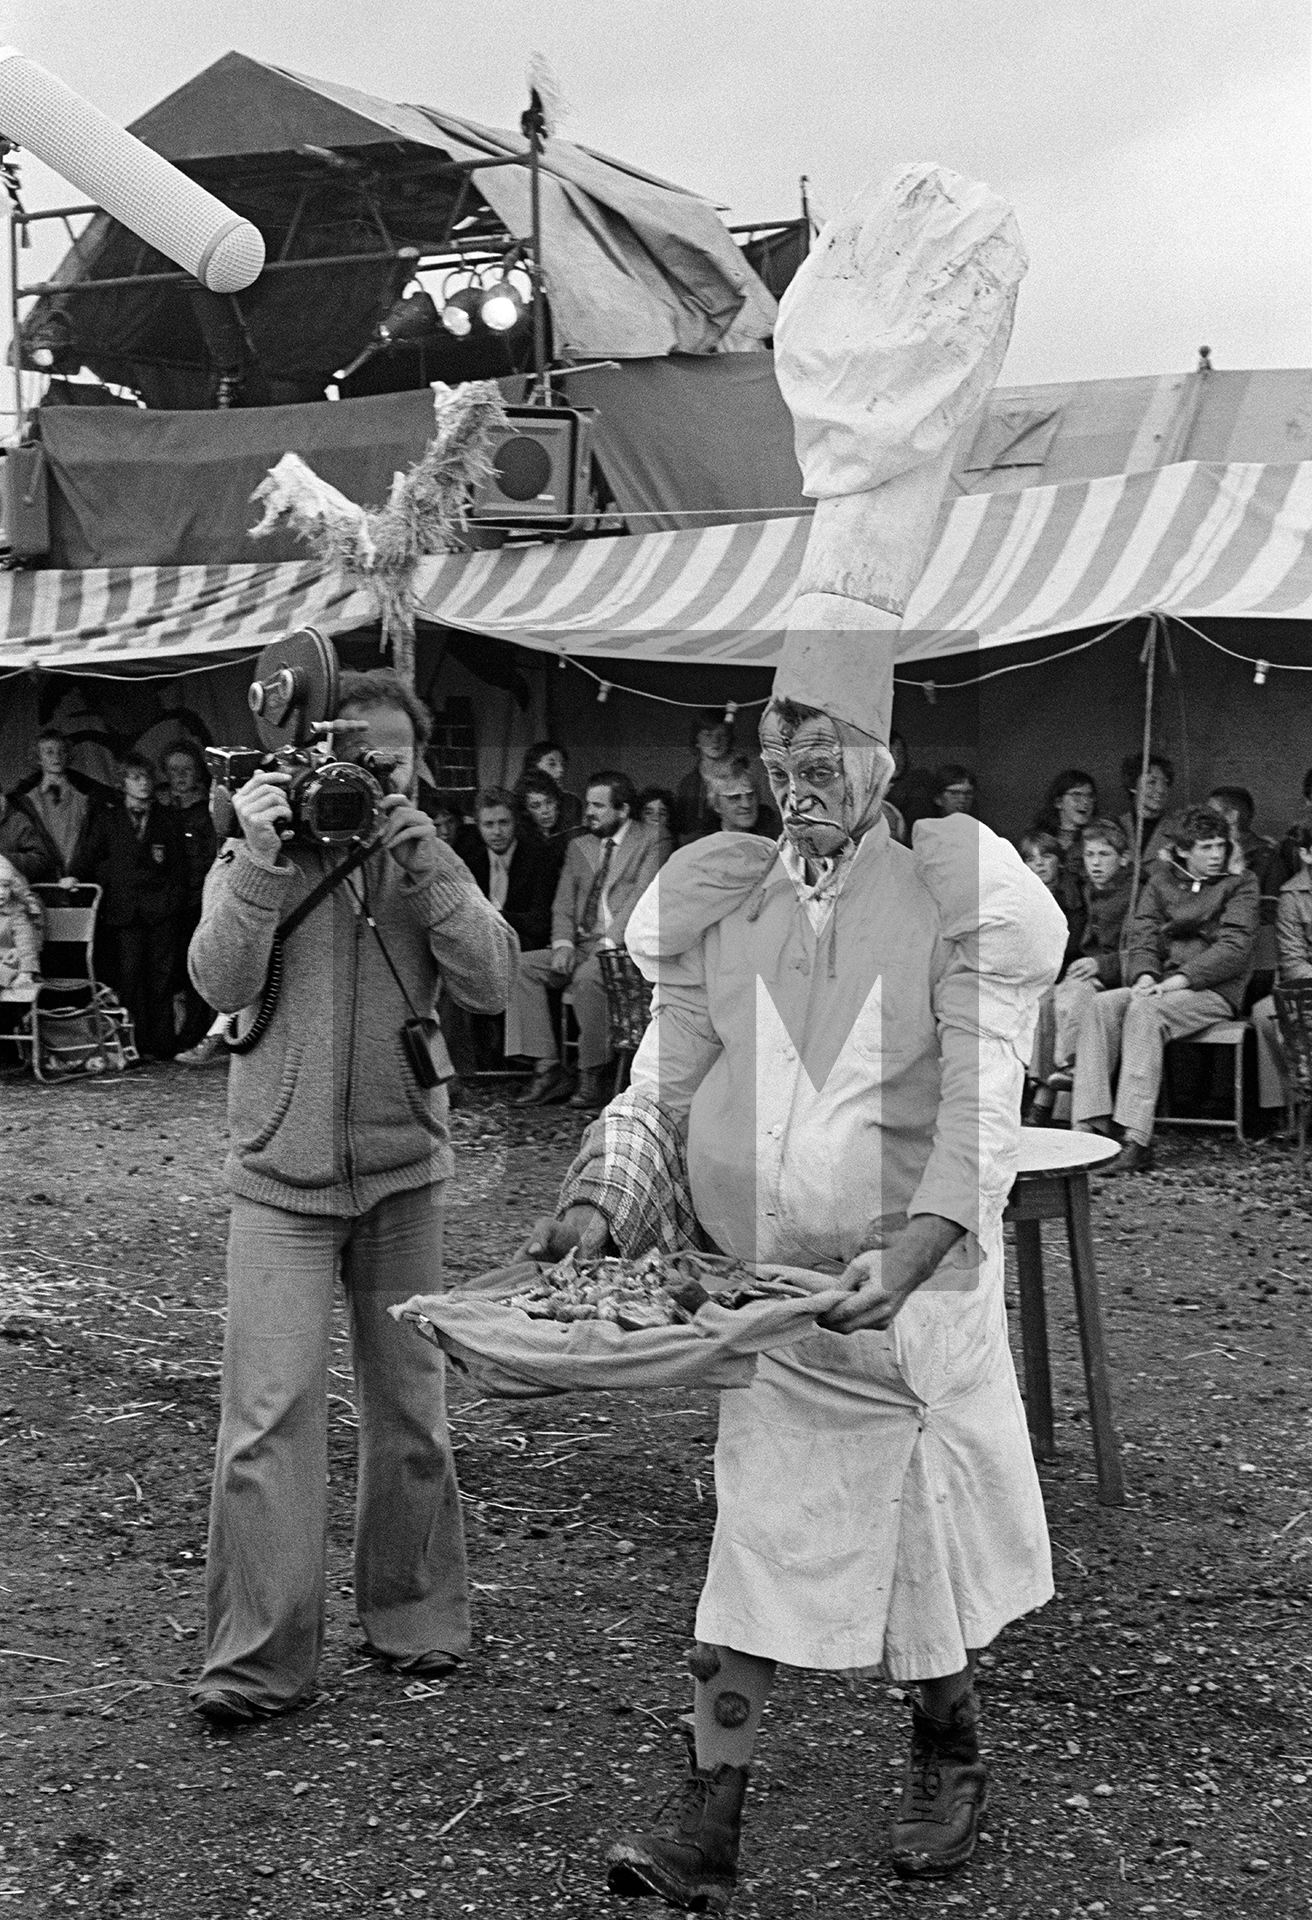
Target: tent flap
{"points": [[1190, 539]]}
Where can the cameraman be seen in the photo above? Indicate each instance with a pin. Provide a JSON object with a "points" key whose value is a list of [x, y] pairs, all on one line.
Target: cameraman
{"points": [[337, 1162]]}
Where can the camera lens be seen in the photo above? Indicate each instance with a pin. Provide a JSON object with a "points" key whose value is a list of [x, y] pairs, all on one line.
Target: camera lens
{"points": [[338, 804]]}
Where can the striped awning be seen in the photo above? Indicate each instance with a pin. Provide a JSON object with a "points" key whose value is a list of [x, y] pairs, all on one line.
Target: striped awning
{"points": [[1192, 539]]}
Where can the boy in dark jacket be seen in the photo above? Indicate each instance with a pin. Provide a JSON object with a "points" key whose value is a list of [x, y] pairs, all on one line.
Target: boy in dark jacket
{"points": [[134, 853], [1096, 965], [1190, 955]]}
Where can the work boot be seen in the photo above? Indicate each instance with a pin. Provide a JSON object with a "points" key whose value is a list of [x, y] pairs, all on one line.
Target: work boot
{"points": [[944, 1794], [695, 1866], [1133, 1157], [593, 1089], [549, 1085]]}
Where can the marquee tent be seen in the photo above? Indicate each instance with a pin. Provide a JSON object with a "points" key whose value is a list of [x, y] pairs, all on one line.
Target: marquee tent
{"points": [[1193, 539]]}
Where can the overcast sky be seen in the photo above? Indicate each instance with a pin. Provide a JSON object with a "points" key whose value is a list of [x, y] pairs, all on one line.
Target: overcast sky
{"points": [[1156, 151]]}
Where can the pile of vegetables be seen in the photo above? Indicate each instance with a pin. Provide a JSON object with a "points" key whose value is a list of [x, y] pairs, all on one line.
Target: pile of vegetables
{"points": [[659, 1290]]}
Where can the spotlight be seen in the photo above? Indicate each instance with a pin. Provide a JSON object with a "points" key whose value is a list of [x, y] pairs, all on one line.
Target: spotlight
{"points": [[460, 313], [501, 308], [47, 343], [505, 301], [458, 300], [410, 322]]}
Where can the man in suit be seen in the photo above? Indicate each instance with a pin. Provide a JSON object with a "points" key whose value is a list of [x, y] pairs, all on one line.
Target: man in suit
{"points": [[517, 874], [58, 802], [606, 872], [135, 853]]}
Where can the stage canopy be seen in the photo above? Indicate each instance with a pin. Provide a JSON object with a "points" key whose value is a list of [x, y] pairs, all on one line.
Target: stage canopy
{"points": [[633, 265], [1192, 539]]}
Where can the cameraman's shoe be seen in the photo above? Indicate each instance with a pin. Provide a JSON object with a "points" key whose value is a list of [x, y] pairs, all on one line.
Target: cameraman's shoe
{"points": [[209, 1052], [695, 1866], [944, 1793], [549, 1085]]}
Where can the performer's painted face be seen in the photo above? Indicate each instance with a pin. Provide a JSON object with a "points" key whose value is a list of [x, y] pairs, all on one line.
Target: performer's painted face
{"points": [[804, 764]]}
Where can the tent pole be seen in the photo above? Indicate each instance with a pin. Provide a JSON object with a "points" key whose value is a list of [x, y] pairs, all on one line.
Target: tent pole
{"points": [[15, 333], [1149, 658], [532, 124]]}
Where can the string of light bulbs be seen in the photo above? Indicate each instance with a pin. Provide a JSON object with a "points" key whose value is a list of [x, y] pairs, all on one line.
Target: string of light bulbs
{"points": [[1261, 668]]}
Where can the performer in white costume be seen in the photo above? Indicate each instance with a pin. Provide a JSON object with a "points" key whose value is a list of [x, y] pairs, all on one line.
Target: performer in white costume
{"points": [[832, 1079]]}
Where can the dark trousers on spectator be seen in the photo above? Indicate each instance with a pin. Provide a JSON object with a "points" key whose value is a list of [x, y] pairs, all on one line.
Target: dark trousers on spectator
{"points": [[141, 974], [198, 1018]]}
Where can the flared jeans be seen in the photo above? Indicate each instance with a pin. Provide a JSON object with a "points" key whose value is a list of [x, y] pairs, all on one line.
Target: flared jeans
{"points": [[265, 1576]]}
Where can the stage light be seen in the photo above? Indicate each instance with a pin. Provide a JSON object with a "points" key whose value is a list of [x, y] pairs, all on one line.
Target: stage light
{"points": [[505, 300], [458, 300], [47, 344], [501, 309]]}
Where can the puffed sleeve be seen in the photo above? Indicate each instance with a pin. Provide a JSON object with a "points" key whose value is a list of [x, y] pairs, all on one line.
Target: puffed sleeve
{"points": [[1002, 940]]}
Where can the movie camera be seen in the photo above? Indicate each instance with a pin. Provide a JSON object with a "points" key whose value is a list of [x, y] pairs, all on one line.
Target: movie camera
{"points": [[294, 697]]}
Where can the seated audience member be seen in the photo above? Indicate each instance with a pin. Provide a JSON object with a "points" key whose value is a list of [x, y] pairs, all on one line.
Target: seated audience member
{"points": [[1288, 850], [513, 869], [444, 810], [58, 801], [1190, 954], [955, 790], [739, 805], [188, 795], [712, 745], [911, 790], [24, 845], [1261, 857], [1095, 966], [1043, 854], [1156, 783], [21, 922], [606, 872], [657, 807], [134, 851], [1293, 969], [549, 757], [1068, 806], [542, 805]]}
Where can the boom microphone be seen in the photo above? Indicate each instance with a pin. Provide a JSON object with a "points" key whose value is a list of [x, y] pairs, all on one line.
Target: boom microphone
{"points": [[120, 173]]}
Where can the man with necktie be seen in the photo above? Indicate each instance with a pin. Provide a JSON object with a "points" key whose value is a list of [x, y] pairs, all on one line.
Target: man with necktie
{"points": [[135, 853], [606, 871], [55, 802]]}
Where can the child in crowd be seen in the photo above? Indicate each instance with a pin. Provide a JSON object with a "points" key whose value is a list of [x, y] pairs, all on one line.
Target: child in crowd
{"points": [[1069, 804], [1096, 965], [1043, 854], [1189, 957], [20, 929]]}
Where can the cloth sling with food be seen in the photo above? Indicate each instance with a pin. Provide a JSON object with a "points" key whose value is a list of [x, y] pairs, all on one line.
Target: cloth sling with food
{"points": [[665, 1320]]}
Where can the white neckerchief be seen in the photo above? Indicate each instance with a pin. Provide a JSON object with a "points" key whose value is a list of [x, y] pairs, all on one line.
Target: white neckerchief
{"points": [[818, 896]]}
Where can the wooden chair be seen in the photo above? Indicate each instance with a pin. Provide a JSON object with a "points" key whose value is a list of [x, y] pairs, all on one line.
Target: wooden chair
{"points": [[1223, 1033], [1294, 1015]]}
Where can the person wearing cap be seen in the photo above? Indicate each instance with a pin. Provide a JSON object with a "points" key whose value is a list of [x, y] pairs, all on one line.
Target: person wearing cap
{"points": [[831, 1080]]}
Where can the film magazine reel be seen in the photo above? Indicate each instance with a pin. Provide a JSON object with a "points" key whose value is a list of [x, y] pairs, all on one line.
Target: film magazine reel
{"points": [[294, 698]]}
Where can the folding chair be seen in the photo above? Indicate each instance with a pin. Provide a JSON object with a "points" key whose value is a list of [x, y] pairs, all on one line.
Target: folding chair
{"points": [[75, 1024], [1294, 1015]]}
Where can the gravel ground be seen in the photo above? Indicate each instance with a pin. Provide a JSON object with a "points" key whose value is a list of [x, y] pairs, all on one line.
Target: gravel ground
{"points": [[1148, 1731]]}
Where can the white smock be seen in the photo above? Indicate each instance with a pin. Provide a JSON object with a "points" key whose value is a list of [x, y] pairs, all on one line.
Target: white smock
{"points": [[840, 1059]]}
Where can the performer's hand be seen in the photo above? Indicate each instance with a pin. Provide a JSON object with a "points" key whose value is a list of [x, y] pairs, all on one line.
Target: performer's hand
{"points": [[410, 837], [584, 1227], [262, 807], [884, 1278]]}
